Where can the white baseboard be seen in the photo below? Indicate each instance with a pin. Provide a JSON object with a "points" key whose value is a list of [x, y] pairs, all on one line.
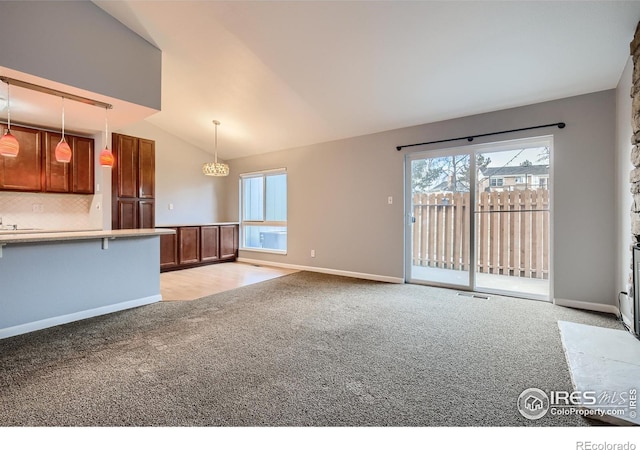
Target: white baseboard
{"points": [[67, 318], [343, 273], [599, 307]]}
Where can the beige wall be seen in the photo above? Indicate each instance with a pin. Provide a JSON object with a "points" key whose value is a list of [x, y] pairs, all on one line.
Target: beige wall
{"points": [[196, 198], [338, 194]]}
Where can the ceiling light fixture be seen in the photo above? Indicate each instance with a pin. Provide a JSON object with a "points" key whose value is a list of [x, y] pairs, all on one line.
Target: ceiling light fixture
{"points": [[106, 156], [9, 145], [216, 169], [63, 151]]}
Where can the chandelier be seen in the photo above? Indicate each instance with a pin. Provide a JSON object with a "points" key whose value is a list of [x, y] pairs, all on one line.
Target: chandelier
{"points": [[216, 169]]}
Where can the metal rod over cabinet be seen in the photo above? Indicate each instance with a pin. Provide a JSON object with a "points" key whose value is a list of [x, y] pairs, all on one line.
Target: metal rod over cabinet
{"points": [[57, 93]]}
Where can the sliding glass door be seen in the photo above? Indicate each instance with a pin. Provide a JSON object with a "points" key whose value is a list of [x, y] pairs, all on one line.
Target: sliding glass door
{"points": [[440, 215], [478, 217]]}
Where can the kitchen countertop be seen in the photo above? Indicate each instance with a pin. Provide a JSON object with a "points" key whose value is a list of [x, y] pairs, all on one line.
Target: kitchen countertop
{"points": [[197, 224], [48, 236]]}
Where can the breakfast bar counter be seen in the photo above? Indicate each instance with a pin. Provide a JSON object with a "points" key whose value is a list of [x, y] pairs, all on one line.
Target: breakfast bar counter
{"points": [[51, 278]]}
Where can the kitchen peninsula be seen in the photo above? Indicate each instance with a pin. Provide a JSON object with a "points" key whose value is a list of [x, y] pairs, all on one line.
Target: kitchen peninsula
{"points": [[51, 278]]}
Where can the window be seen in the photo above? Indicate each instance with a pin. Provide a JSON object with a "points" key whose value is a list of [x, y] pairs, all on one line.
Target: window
{"points": [[263, 204], [496, 182], [519, 180]]}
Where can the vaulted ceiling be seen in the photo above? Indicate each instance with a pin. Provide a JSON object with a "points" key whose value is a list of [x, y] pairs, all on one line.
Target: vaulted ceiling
{"points": [[283, 74]]}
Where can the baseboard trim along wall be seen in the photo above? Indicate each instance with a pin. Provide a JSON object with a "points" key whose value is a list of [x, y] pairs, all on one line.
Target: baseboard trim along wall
{"points": [[598, 307], [343, 273], [80, 315]]}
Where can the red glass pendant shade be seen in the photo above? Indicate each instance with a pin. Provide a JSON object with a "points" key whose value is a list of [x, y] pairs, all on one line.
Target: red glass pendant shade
{"points": [[63, 151], [106, 158], [9, 145]]}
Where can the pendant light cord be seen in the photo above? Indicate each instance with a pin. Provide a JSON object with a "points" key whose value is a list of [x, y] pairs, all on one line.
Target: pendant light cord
{"points": [[106, 127], [9, 107], [63, 118], [216, 145]]}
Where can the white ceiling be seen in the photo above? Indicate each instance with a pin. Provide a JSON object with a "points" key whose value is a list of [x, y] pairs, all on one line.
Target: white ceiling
{"points": [[283, 74]]}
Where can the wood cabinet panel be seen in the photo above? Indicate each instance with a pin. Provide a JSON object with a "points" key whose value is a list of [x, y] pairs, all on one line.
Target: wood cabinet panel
{"points": [[82, 165], [56, 174], [127, 214], [189, 245], [168, 250], [126, 165], [200, 245], [228, 241], [24, 172], [146, 213], [134, 178], [146, 168], [209, 243]]}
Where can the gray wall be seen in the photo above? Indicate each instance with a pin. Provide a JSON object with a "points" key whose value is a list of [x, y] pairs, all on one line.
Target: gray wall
{"points": [[196, 198], [78, 44], [338, 194], [623, 197]]}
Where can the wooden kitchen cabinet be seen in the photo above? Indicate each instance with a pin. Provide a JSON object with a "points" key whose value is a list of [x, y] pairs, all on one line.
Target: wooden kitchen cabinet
{"points": [[24, 172], [188, 245], [198, 245], [210, 243], [146, 169], [35, 169], [76, 176], [168, 250], [133, 182], [82, 165], [57, 176], [228, 241]]}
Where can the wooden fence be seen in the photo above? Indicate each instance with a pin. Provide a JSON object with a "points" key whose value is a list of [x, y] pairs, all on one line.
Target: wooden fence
{"points": [[512, 232]]}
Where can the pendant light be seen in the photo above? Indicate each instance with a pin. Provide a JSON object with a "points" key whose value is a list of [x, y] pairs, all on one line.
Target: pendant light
{"points": [[216, 169], [106, 156], [63, 151], [9, 145]]}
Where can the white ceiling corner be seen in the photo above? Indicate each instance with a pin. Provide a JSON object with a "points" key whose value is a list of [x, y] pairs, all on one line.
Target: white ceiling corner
{"points": [[283, 74]]}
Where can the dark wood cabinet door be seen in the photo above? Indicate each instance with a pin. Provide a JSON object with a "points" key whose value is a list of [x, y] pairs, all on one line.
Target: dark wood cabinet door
{"points": [[209, 243], [57, 176], [127, 214], [82, 165], [126, 165], [23, 173], [146, 213], [228, 241], [146, 168], [168, 250], [189, 245]]}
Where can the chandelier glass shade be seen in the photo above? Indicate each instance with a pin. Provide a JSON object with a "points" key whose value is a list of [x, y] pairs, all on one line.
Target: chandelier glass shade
{"points": [[216, 169]]}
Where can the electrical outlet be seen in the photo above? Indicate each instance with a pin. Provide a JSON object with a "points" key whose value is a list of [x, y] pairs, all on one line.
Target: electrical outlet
{"points": [[390, 200], [37, 207], [170, 206], [313, 253]]}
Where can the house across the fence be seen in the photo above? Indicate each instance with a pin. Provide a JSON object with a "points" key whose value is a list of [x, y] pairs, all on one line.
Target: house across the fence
{"points": [[512, 178]]}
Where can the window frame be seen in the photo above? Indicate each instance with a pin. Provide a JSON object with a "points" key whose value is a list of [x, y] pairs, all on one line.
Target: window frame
{"points": [[263, 222]]}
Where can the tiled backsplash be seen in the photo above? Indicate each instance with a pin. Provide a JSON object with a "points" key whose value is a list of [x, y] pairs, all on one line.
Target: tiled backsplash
{"points": [[51, 211]]}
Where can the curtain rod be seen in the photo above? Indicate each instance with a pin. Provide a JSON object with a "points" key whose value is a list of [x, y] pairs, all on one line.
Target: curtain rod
{"points": [[46, 90], [471, 138]]}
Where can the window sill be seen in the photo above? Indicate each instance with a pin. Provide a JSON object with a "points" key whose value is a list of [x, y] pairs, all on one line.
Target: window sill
{"points": [[263, 250]]}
